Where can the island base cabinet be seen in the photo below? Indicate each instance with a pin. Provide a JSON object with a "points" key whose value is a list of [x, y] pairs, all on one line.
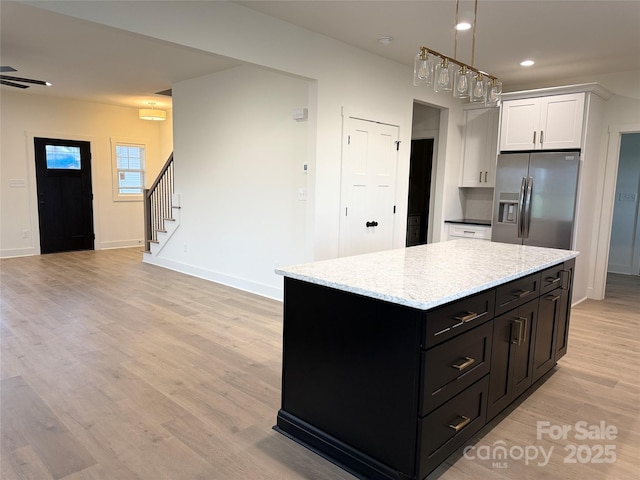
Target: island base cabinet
{"points": [[511, 356], [449, 426]]}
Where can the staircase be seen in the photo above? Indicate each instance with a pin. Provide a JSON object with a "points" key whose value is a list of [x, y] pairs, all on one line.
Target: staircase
{"points": [[161, 211]]}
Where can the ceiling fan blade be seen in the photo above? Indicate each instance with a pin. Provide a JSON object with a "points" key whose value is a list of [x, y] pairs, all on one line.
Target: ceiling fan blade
{"points": [[11, 84], [7, 68], [23, 80]]}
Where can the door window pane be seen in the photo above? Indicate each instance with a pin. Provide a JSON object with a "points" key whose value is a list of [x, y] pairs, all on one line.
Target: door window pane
{"points": [[60, 157]]}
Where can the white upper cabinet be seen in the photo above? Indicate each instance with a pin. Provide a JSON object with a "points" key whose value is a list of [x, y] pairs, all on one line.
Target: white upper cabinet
{"points": [[542, 123], [480, 147]]}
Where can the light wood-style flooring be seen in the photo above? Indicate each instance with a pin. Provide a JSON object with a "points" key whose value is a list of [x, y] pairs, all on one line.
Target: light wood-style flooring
{"points": [[115, 369]]}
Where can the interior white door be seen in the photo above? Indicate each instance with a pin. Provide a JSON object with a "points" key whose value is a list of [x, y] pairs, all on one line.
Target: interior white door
{"points": [[369, 164]]}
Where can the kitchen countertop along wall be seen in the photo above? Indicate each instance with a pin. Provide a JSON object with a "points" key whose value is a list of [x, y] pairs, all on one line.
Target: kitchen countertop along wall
{"points": [[430, 275]]}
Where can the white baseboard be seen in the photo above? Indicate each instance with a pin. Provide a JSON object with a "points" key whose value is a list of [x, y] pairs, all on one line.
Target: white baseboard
{"points": [[18, 252], [135, 242], [217, 277]]}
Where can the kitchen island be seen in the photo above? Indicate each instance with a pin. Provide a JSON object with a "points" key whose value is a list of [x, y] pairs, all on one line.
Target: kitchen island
{"points": [[392, 360]]}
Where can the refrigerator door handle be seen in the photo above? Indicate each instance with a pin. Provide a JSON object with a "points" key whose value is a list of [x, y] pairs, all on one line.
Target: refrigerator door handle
{"points": [[527, 208], [521, 205]]}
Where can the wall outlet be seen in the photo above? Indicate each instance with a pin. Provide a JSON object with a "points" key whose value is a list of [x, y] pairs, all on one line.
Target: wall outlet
{"points": [[185, 248], [25, 234], [302, 194]]}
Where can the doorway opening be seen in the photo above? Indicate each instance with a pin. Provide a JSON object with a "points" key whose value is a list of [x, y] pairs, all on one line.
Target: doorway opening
{"points": [[65, 196], [420, 170], [624, 244]]}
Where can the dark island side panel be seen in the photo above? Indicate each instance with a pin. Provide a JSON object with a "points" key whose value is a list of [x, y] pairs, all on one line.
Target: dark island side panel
{"points": [[351, 369]]}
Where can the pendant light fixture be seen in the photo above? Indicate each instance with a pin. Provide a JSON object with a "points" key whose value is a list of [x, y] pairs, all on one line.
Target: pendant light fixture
{"points": [[448, 74], [152, 113]]}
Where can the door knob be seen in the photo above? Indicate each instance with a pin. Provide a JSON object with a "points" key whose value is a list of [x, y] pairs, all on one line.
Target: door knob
{"points": [[372, 224]]}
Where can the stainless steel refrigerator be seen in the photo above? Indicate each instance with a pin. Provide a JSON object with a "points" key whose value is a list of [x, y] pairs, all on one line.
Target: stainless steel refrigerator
{"points": [[535, 197]]}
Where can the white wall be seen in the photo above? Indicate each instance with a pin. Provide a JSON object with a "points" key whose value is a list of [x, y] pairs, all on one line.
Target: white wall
{"points": [[239, 159], [24, 116]]}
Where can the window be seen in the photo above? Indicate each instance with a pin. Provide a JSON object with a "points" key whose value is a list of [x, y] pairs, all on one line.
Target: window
{"points": [[60, 157], [129, 170]]}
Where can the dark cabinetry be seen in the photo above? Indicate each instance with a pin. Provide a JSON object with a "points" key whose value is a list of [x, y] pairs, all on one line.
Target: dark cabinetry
{"points": [[512, 356], [553, 318], [389, 392]]}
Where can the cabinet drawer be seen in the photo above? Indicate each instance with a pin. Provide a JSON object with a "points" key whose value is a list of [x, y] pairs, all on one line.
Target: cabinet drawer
{"points": [[469, 231], [516, 293], [457, 317], [551, 278], [449, 426], [452, 366]]}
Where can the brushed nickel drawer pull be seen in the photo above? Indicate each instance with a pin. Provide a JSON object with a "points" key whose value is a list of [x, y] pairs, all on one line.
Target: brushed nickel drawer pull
{"points": [[519, 336], [553, 280], [521, 293], [553, 298], [460, 425], [468, 316], [468, 361]]}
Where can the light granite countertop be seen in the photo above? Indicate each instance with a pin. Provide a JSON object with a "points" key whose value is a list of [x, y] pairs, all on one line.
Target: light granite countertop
{"points": [[427, 276]]}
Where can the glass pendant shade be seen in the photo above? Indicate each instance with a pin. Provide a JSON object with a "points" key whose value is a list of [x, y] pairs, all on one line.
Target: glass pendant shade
{"points": [[423, 69], [462, 82], [443, 80], [494, 93], [478, 88]]}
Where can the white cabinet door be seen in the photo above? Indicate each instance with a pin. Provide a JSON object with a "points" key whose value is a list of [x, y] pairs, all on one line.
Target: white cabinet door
{"points": [[520, 120], [368, 187], [561, 121], [480, 144], [543, 123]]}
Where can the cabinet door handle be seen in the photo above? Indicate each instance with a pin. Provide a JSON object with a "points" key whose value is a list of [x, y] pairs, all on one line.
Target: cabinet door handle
{"points": [[480, 178], [485, 176], [520, 335], [553, 298], [468, 316], [552, 280], [464, 363], [541, 137], [534, 137], [521, 293], [461, 424]]}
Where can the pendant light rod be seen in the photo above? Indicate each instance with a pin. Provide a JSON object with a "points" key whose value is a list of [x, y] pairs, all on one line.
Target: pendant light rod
{"points": [[473, 40]]}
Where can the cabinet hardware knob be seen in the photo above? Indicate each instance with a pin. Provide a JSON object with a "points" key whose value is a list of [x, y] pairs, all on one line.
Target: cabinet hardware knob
{"points": [[461, 424], [466, 363], [372, 224]]}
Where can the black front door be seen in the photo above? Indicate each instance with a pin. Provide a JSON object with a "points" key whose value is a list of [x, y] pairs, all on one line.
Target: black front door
{"points": [[65, 198]]}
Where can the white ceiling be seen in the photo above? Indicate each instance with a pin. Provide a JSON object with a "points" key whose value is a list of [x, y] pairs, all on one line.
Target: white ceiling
{"points": [[567, 39]]}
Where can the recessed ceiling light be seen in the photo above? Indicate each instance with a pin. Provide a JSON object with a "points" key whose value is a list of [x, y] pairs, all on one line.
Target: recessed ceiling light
{"points": [[527, 63], [463, 26], [384, 41]]}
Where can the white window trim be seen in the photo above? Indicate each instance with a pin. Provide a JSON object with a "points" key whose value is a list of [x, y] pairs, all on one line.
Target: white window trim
{"points": [[117, 196]]}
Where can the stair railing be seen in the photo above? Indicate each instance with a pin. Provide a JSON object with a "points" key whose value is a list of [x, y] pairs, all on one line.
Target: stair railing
{"points": [[158, 204]]}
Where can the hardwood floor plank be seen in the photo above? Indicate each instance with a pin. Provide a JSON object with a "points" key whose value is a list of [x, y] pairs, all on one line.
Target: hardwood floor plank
{"points": [[156, 375], [24, 413]]}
